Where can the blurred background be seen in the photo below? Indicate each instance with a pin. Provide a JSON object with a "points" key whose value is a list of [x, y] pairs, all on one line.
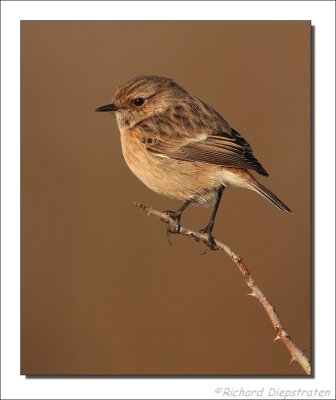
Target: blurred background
{"points": [[102, 291]]}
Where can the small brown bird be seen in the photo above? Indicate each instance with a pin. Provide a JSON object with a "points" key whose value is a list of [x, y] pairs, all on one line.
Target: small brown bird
{"points": [[182, 148]]}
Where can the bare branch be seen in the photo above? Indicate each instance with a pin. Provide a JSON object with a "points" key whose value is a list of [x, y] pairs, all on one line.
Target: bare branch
{"points": [[281, 333]]}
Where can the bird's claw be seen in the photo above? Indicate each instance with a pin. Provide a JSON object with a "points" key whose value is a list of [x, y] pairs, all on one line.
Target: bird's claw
{"points": [[176, 217], [211, 240], [171, 229]]}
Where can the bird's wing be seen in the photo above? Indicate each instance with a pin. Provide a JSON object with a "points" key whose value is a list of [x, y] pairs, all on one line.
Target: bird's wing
{"points": [[228, 149]]}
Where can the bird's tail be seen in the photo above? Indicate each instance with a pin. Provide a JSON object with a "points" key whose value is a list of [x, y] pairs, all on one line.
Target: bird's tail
{"points": [[263, 191]]}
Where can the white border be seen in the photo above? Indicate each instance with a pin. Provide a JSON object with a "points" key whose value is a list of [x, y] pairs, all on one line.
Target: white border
{"points": [[322, 14]]}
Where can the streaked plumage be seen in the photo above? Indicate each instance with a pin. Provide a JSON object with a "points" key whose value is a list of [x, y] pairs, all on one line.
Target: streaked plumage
{"points": [[181, 147]]}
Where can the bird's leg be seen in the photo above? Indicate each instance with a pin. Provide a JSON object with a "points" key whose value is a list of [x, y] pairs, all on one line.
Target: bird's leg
{"points": [[208, 229], [176, 215]]}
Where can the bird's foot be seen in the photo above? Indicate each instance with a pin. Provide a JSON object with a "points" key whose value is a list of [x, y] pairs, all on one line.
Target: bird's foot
{"points": [[176, 216], [171, 229], [211, 240]]}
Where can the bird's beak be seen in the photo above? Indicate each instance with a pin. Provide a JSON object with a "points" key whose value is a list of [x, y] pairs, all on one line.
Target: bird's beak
{"points": [[108, 107]]}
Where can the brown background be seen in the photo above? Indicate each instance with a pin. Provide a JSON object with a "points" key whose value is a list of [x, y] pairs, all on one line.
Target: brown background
{"points": [[102, 290]]}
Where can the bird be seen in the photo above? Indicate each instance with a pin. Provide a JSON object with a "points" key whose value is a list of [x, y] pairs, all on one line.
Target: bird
{"points": [[180, 147]]}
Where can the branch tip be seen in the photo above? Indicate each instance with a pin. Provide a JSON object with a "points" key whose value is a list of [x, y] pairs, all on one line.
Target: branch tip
{"points": [[140, 205]]}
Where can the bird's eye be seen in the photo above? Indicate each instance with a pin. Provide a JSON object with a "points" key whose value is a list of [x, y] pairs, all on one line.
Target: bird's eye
{"points": [[139, 101]]}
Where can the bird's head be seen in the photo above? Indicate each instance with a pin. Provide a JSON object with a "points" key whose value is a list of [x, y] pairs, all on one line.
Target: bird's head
{"points": [[143, 97]]}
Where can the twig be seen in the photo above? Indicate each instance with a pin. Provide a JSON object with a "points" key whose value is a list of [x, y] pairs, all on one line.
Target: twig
{"points": [[281, 334]]}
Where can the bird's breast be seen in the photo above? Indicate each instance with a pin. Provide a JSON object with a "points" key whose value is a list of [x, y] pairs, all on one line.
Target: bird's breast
{"points": [[138, 159], [173, 178]]}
